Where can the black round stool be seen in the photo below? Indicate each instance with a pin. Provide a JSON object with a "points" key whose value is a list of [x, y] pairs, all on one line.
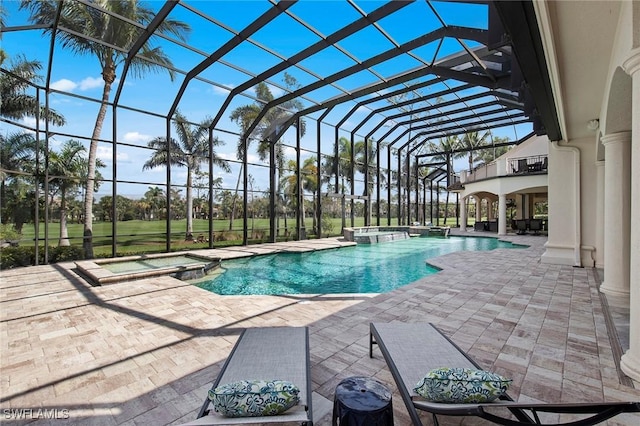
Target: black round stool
{"points": [[362, 401]]}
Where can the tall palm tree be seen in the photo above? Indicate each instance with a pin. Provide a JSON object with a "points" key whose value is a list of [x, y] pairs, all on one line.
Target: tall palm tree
{"points": [[3, 14], [245, 115], [472, 141], [15, 103], [444, 146], [67, 171], [189, 151], [309, 176], [91, 23], [308, 181]]}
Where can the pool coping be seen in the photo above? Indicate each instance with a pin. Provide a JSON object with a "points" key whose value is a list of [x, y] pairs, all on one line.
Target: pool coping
{"points": [[352, 233], [98, 275]]}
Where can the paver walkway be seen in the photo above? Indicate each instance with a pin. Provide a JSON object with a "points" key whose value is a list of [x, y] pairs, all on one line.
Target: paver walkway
{"points": [[146, 352]]}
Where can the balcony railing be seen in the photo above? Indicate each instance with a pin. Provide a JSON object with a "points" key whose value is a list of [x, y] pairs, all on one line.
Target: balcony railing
{"points": [[523, 165], [534, 164]]}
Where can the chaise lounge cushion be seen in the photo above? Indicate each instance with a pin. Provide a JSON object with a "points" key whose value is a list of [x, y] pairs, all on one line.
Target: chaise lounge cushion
{"points": [[250, 398], [461, 385]]}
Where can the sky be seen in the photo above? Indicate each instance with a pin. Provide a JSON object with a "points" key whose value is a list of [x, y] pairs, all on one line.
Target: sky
{"points": [[284, 37]]}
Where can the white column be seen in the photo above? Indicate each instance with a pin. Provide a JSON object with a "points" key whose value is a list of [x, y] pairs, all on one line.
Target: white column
{"points": [[463, 214], [502, 214], [599, 214], [478, 208], [630, 361], [617, 213]]}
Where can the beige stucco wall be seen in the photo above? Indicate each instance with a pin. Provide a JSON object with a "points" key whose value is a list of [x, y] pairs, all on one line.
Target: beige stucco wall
{"points": [[568, 206], [622, 47], [537, 145]]}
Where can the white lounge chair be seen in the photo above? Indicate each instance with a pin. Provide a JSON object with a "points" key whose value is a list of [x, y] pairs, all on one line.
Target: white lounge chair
{"points": [[268, 353], [413, 349]]}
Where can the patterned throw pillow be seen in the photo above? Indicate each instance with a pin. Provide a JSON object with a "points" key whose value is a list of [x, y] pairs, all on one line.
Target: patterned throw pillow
{"points": [[461, 385], [249, 398]]}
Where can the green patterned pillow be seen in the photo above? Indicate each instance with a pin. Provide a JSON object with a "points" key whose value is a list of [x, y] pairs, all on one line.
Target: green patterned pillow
{"points": [[250, 398], [461, 385]]}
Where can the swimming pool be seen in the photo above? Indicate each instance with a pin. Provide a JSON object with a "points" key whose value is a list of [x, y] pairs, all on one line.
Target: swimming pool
{"points": [[366, 268]]}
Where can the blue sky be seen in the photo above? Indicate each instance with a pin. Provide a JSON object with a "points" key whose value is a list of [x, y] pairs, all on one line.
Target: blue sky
{"points": [[284, 37]]}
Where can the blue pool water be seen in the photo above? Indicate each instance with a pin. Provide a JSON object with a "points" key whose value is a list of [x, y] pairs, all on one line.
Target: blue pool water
{"points": [[366, 268]]}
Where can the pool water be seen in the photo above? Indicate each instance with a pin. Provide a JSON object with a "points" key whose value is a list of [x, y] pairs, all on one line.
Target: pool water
{"points": [[366, 268], [140, 265]]}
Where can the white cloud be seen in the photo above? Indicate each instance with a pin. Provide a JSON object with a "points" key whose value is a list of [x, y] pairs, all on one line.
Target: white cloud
{"points": [[290, 151], [91, 83], [232, 156], [226, 156], [29, 121], [106, 154], [87, 83], [133, 137], [64, 85]]}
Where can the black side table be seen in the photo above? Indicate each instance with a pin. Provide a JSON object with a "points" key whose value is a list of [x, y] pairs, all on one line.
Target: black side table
{"points": [[362, 401]]}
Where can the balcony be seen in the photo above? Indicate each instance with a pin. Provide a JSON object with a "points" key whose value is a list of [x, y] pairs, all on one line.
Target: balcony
{"points": [[525, 165], [516, 166]]}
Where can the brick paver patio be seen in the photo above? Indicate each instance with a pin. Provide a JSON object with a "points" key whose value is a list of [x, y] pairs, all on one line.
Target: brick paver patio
{"points": [[146, 352]]}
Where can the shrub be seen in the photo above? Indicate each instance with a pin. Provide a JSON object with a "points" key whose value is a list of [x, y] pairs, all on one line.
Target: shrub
{"points": [[12, 257], [327, 225], [63, 254], [8, 233]]}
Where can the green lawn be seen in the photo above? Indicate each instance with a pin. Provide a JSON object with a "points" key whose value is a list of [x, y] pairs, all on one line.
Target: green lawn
{"points": [[138, 236]]}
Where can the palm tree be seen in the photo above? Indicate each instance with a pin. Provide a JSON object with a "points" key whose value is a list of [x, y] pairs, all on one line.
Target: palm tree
{"points": [[3, 14], [245, 115], [471, 141], [87, 23], [345, 166], [446, 145], [309, 176], [309, 182], [155, 197], [189, 151], [17, 151], [67, 171], [490, 154], [16, 104]]}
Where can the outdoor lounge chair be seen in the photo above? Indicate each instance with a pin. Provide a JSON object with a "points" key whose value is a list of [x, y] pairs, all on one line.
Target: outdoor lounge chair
{"points": [[271, 353], [535, 225], [413, 349]]}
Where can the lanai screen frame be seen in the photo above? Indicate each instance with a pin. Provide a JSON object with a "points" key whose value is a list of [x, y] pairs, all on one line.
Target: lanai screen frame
{"points": [[518, 92]]}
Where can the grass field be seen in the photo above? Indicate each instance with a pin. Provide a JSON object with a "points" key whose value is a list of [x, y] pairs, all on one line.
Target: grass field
{"points": [[138, 236]]}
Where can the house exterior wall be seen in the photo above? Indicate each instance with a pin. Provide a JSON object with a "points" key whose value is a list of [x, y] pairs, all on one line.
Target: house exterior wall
{"points": [[537, 145], [606, 185]]}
